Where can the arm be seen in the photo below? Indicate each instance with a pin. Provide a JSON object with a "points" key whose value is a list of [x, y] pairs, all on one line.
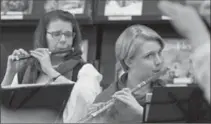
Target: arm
{"points": [[8, 78], [189, 24], [42, 55], [52, 73], [201, 68], [13, 67]]}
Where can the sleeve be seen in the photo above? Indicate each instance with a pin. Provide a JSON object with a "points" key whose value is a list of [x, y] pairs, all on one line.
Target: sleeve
{"points": [[15, 80], [201, 68], [83, 94]]}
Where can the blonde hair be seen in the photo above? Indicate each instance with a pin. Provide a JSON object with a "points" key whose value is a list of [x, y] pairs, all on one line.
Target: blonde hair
{"points": [[128, 43]]}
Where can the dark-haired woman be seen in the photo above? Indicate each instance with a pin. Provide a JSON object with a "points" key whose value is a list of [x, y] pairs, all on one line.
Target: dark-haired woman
{"points": [[57, 31]]}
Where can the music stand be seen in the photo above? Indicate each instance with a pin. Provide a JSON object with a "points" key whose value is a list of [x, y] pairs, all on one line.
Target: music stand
{"points": [[177, 104], [36, 97]]}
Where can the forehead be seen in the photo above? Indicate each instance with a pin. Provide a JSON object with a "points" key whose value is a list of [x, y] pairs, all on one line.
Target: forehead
{"points": [[150, 46], [61, 25]]}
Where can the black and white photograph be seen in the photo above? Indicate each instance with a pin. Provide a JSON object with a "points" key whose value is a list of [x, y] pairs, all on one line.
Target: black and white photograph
{"points": [[16, 7], [105, 61], [72, 6], [123, 7]]}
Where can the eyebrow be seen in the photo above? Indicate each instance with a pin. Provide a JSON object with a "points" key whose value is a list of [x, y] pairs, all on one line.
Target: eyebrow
{"points": [[152, 51], [60, 31], [148, 53]]}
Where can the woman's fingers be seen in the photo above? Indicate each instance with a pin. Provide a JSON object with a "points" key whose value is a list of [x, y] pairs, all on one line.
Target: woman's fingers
{"points": [[11, 57], [95, 107], [36, 53], [123, 99], [23, 52], [16, 52], [43, 50], [125, 91], [168, 8]]}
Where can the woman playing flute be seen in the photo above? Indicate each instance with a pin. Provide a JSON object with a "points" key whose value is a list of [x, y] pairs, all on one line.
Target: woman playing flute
{"points": [[57, 31], [138, 53]]}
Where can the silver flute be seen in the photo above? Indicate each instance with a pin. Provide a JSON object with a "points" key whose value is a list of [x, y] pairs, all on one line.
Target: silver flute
{"points": [[111, 102], [51, 53]]}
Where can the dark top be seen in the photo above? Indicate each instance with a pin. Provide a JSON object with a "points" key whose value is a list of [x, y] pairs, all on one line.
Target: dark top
{"points": [[113, 115]]}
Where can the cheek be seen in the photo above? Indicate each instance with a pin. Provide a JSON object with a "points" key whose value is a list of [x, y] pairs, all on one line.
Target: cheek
{"points": [[51, 43], [144, 65], [142, 69], [70, 42]]}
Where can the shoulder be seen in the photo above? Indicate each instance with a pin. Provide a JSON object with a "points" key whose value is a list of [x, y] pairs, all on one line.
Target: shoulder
{"points": [[88, 70]]}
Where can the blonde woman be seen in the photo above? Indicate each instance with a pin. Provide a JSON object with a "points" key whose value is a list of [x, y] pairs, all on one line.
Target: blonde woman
{"points": [[138, 53]]}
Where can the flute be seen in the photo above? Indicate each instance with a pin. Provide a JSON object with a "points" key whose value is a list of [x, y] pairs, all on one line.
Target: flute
{"points": [[111, 102], [51, 53]]}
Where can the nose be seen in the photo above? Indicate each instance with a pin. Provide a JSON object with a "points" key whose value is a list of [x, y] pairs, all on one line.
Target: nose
{"points": [[63, 39], [158, 60]]}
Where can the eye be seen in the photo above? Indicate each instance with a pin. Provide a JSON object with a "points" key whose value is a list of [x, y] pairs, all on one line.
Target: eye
{"points": [[56, 33], [68, 34], [149, 56]]}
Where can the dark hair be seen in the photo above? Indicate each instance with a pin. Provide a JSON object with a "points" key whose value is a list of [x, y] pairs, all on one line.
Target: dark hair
{"points": [[30, 73], [40, 40]]}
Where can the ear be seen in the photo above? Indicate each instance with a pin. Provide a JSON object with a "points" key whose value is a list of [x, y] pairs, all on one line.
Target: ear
{"points": [[129, 63], [124, 65]]}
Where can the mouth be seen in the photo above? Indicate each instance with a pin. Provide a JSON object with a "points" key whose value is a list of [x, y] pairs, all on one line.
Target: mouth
{"points": [[156, 71], [63, 48]]}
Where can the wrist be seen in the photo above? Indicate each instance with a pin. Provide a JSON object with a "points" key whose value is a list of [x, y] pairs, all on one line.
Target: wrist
{"points": [[139, 110], [196, 39], [52, 73]]}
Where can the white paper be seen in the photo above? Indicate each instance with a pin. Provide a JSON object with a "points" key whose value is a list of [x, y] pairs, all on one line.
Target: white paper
{"points": [[114, 18], [165, 18], [183, 80], [176, 85], [72, 6], [134, 8], [11, 17]]}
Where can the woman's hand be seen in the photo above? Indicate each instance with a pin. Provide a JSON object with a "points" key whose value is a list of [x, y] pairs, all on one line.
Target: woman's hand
{"points": [[127, 105], [14, 66], [186, 21], [43, 56], [95, 107]]}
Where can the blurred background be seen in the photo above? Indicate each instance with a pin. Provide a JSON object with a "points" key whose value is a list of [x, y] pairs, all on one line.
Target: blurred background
{"points": [[101, 22]]}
